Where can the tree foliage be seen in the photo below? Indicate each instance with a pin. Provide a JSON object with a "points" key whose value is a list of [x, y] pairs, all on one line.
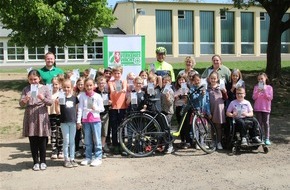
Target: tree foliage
{"points": [[37, 23], [276, 9]]}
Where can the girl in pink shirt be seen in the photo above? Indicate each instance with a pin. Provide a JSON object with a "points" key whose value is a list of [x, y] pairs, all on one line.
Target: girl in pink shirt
{"points": [[263, 95], [89, 108]]}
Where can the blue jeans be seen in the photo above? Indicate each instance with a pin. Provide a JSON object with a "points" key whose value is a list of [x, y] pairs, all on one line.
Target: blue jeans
{"points": [[93, 138], [68, 132]]}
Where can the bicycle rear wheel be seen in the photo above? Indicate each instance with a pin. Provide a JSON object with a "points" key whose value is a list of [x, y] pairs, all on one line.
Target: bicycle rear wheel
{"points": [[205, 134], [139, 135]]}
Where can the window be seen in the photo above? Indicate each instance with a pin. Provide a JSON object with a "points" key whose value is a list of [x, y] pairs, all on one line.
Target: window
{"points": [[36, 53], [1, 51], [164, 29], [59, 52], [262, 16], [15, 52], [285, 38], [228, 34], [181, 14], [223, 15], [264, 31], [95, 50], [247, 32], [75, 52], [186, 34], [207, 44]]}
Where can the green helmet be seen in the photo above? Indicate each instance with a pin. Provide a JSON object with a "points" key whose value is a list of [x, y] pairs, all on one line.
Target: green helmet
{"points": [[161, 50]]}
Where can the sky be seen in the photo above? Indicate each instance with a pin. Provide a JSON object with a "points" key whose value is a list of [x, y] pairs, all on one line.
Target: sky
{"points": [[112, 3]]}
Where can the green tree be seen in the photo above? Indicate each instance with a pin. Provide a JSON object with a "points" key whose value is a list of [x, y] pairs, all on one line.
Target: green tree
{"points": [[37, 23], [276, 10]]}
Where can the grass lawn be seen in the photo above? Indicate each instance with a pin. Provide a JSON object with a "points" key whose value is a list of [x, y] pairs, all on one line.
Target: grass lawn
{"points": [[244, 66]]}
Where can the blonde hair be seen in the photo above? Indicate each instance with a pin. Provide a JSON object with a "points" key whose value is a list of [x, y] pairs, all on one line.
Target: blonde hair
{"points": [[65, 81], [189, 58], [138, 79], [117, 68], [100, 78]]}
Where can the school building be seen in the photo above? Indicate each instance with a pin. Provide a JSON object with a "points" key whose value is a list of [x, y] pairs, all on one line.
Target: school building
{"points": [[184, 28]]}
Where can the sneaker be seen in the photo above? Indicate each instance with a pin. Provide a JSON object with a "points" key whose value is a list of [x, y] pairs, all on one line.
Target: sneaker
{"points": [[169, 150], [53, 156], [60, 155], [78, 154], [117, 150], [74, 163], [160, 148], [256, 139], [43, 166], [67, 164], [86, 162], [219, 146], [185, 146], [96, 162], [104, 155], [244, 141], [267, 142], [36, 167], [106, 149], [197, 147]]}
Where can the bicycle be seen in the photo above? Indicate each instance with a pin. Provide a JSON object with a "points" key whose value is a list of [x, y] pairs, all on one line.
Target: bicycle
{"points": [[143, 131]]}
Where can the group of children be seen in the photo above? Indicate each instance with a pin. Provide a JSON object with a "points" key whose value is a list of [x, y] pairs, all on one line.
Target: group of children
{"points": [[96, 107]]}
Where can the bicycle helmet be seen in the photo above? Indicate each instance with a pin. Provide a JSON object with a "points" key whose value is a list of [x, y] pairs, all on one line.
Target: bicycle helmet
{"points": [[161, 50]]}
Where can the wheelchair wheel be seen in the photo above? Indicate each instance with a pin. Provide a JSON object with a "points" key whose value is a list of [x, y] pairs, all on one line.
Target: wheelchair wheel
{"points": [[266, 149], [139, 135], [234, 150], [205, 134]]}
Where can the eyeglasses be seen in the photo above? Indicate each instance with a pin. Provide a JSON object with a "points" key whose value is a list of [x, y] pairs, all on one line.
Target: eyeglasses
{"points": [[240, 93]]}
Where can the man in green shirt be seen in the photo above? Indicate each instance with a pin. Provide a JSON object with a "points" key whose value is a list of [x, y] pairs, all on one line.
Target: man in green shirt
{"points": [[48, 72], [161, 66]]}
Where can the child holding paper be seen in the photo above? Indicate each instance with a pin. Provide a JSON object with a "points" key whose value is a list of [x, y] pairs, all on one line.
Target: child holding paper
{"points": [[217, 97], [68, 118], [236, 81], [241, 109], [167, 105], [130, 81], [153, 91], [54, 118], [135, 99], [36, 126], [118, 88], [180, 102], [263, 95], [80, 88], [89, 109], [102, 90]]}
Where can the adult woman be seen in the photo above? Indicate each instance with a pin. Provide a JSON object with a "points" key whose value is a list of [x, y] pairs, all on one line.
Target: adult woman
{"points": [[189, 65], [223, 71]]}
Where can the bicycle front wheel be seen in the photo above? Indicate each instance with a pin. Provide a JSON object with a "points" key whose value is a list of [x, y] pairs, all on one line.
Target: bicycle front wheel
{"points": [[139, 135], [205, 134]]}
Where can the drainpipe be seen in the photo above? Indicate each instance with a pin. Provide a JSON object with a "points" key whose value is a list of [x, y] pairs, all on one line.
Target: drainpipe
{"points": [[134, 16]]}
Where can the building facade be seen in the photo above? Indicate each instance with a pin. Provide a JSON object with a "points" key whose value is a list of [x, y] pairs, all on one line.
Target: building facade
{"points": [[198, 29], [184, 28]]}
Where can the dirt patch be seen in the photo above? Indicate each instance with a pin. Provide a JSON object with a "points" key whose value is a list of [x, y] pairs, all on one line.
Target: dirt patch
{"points": [[185, 169]]}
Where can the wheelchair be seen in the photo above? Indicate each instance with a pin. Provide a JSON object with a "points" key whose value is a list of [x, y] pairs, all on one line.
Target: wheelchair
{"points": [[253, 129]]}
